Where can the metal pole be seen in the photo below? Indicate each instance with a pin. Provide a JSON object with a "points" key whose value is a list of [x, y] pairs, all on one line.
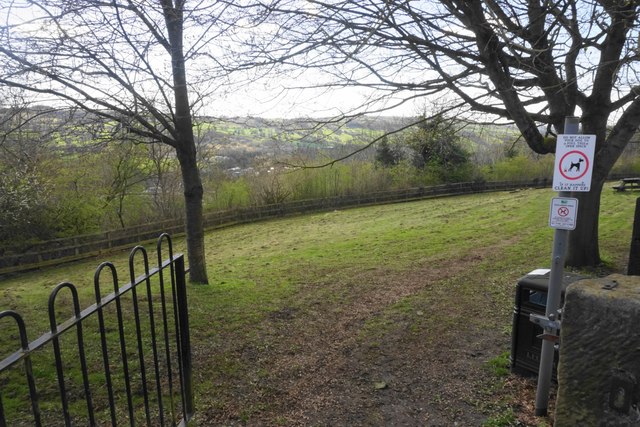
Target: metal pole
{"points": [[560, 243], [633, 269], [185, 340]]}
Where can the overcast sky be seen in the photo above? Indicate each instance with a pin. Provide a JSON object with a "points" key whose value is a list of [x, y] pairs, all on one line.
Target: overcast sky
{"points": [[277, 99], [271, 97]]}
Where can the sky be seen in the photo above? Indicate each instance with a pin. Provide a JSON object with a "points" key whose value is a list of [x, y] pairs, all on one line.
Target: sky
{"points": [[269, 97], [278, 99]]}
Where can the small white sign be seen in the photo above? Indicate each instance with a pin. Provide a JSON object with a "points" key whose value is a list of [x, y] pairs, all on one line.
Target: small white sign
{"points": [[539, 272], [574, 162], [563, 213]]}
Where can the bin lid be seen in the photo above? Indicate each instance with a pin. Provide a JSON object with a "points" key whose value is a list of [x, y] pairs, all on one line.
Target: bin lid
{"points": [[539, 280]]}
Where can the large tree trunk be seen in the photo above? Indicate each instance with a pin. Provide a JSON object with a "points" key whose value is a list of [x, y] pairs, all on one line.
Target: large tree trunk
{"points": [[583, 241], [185, 146], [193, 216]]}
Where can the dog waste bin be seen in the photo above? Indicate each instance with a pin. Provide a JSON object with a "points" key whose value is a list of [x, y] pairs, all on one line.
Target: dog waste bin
{"points": [[531, 298]]}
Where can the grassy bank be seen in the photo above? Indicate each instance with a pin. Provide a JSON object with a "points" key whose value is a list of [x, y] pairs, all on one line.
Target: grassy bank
{"points": [[362, 315]]}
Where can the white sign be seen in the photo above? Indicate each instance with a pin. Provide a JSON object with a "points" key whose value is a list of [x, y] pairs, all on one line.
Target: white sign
{"points": [[539, 272], [574, 162], [563, 213]]}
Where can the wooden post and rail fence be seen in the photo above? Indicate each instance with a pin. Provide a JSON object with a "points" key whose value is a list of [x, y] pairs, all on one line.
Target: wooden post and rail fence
{"points": [[84, 246]]}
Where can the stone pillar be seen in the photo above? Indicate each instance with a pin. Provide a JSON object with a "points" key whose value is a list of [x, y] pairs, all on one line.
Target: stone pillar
{"points": [[599, 368]]}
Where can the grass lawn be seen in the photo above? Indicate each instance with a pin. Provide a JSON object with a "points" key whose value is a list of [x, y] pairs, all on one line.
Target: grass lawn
{"points": [[395, 314]]}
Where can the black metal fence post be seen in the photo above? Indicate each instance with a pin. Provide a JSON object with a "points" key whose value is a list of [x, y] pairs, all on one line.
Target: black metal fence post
{"points": [[185, 341]]}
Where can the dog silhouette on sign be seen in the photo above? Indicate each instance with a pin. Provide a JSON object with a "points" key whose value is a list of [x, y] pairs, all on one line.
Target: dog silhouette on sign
{"points": [[575, 165]]}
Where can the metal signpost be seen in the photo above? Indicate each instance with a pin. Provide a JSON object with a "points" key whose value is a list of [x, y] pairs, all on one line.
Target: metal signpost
{"points": [[572, 172]]}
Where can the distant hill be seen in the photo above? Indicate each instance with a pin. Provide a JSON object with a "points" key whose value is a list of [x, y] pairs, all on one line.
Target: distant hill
{"points": [[254, 131], [238, 140]]}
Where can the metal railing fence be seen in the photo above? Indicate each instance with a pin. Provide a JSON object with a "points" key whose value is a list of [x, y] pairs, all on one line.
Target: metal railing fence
{"points": [[128, 363]]}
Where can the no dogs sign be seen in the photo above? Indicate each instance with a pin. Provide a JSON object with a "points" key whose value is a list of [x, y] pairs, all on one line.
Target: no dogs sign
{"points": [[563, 213], [574, 162]]}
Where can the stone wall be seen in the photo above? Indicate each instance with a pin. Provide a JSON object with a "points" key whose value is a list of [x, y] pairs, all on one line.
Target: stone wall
{"points": [[599, 368]]}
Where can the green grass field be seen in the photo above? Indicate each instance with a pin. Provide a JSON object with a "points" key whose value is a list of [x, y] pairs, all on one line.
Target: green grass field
{"points": [[304, 313]]}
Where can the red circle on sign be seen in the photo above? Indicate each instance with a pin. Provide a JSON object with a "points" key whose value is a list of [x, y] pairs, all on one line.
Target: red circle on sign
{"points": [[563, 211], [586, 166]]}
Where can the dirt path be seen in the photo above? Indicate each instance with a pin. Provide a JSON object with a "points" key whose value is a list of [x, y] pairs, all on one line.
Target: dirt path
{"points": [[336, 356]]}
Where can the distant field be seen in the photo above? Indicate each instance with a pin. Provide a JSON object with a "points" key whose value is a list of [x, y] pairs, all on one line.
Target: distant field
{"points": [[252, 131], [380, 314]]}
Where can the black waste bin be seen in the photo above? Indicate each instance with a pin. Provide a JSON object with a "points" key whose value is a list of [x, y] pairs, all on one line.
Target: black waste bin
{"points": [[531, 298]]}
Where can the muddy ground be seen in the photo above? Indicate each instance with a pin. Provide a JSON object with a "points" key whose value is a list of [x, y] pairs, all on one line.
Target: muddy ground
{"points": [[337, 355]]}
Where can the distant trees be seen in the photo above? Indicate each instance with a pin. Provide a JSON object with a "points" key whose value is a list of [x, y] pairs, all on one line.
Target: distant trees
{"points": [[437, 145], [82, 180], [387, 154], [528, 62], [61, 176], [25, 156], [433, 144], [164, 179], [125, 173], [22, 201], [133, 64]]}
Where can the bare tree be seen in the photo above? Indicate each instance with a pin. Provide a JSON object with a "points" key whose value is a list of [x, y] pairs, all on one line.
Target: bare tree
{"points": [[124, 61], [27, 150], [529, 62], [165, 181], [125, 171]]}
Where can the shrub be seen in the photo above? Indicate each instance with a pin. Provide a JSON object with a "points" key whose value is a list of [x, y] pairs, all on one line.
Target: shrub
{"points": [[520, 167]]}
